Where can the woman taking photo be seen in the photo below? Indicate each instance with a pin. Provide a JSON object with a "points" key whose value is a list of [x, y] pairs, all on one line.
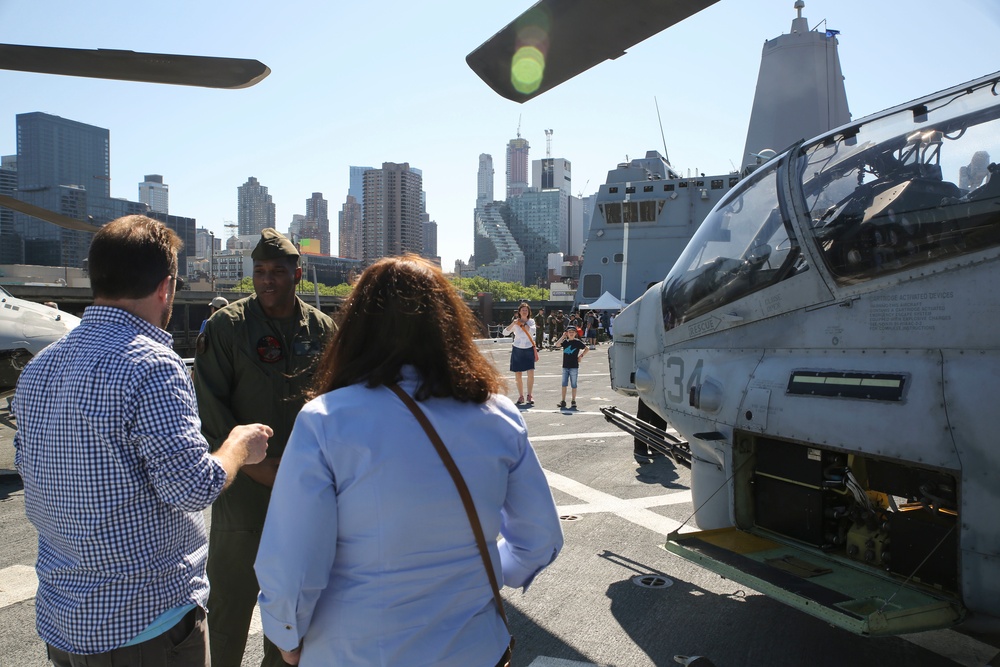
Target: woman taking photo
{"points": [[367, 555], [522, 351]]}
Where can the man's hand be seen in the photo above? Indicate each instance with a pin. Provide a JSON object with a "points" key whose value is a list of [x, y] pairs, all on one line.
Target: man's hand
{"points": [[252, 440], [246, 444]]}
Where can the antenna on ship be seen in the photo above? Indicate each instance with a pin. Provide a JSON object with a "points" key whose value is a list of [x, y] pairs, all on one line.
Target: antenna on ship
{"points": [[660, 120]]}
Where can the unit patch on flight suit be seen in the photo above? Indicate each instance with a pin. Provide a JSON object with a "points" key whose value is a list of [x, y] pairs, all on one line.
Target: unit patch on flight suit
{"points": [[306, 348], [269, 350]]}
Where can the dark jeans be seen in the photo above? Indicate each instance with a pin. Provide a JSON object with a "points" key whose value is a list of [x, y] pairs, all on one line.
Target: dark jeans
{"points": [[184, 645]]}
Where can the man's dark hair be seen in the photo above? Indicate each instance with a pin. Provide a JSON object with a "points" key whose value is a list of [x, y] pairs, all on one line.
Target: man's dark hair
{"points": [[130, 256]]}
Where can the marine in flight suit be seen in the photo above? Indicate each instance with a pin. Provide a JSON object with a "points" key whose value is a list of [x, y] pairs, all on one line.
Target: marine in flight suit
{"points": [[254, 362]]}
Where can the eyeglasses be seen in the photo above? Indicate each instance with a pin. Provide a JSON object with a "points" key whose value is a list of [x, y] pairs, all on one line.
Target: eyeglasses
{"points": [[178, 283]]}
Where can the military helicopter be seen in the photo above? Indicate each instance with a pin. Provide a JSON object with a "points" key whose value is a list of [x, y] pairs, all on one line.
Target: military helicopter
{"points": [[26, 327], [825, 346]]}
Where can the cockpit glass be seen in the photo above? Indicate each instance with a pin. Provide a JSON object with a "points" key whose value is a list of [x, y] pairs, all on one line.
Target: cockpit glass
{"points": [[907, 189], [744, 245]]}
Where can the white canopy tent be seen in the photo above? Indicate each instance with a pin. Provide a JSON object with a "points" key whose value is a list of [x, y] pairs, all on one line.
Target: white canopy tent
{"points": [[607, 301]]}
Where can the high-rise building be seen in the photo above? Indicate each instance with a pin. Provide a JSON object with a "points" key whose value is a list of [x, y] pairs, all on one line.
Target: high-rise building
{"points": [[11, 250], [392, 212], [423, 193], [255, 210], [430, 234], [356, 190], [357, 185], [295, 228], [206, 242], [316, 226], [549, 173], [517, 166], [206, 247], [484, 179], [155, 193], [63, 166], [349, 230], [556, 174], [536, 220], [498, 256]]}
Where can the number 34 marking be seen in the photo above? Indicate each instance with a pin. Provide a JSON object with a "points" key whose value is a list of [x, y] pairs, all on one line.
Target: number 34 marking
{"points": [[675, 388]]}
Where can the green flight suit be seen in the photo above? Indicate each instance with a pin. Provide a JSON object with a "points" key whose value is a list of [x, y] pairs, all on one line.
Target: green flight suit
{"points": [[248, 369]]}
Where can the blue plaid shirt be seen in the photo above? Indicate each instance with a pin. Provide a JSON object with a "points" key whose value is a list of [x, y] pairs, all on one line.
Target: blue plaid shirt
{"points": [[116, 474]]}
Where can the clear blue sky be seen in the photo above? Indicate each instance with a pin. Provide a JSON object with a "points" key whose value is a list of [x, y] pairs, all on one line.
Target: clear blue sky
{"points": [[363, 83]]}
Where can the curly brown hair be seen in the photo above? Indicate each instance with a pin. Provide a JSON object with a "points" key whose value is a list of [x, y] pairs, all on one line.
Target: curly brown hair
{"points": [[404, 311]]}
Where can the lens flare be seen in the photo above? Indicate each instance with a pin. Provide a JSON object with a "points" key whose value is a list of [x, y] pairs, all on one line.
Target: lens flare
{"points": [[527, 68]]}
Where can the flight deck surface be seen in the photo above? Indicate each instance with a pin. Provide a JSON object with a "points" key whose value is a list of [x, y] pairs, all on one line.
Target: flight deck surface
{"points": [[605, 600]]}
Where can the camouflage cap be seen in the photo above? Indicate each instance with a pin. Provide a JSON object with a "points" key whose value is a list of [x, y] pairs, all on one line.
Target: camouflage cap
{"points": [[273, 245]]}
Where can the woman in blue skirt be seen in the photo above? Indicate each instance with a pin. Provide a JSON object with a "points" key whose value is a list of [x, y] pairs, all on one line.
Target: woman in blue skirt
{"points": [[522, 353]]}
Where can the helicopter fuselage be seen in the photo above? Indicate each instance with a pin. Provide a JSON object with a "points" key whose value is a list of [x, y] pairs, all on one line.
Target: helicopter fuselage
{"points": [[827, 345], [26, 328]]}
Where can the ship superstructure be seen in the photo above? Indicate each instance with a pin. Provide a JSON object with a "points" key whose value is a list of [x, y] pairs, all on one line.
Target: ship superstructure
{"points": [[646, 211]]}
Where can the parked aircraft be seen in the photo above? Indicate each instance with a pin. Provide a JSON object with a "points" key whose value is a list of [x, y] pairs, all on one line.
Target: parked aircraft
{"points": [[826, 344], [25, 328]]}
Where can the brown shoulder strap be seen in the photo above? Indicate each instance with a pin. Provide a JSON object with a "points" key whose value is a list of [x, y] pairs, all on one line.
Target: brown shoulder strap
{"points": [[463, 491], [527, 332]]}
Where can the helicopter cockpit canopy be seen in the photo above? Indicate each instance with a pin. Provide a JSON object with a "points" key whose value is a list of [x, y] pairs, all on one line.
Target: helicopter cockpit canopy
{"points": [[745, 244], [901, 190]]}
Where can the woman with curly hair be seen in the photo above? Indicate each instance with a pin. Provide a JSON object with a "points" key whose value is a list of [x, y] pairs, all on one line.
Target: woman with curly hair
{"points": [[367, 556]]}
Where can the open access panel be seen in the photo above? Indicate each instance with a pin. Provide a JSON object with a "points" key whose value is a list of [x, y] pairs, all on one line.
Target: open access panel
{"points": [[866, 544]]}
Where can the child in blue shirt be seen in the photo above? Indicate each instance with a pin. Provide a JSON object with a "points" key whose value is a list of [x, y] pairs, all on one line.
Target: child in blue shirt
{"points": [[573, 351]]}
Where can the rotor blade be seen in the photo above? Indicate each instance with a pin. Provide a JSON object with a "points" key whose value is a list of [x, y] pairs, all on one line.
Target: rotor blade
{"points": [[557, 39], [132, 66], [47, 215]]}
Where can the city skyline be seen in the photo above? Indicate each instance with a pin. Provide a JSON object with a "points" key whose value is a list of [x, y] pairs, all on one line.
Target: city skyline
{"points": [[301, 128]]}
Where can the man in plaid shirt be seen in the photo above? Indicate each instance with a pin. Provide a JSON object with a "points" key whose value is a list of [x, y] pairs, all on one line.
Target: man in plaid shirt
{"points": [[116, 472]]}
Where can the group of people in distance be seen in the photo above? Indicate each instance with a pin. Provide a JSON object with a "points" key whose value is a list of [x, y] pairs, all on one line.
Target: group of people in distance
{"points": [[590, 324], [331, 507]]}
